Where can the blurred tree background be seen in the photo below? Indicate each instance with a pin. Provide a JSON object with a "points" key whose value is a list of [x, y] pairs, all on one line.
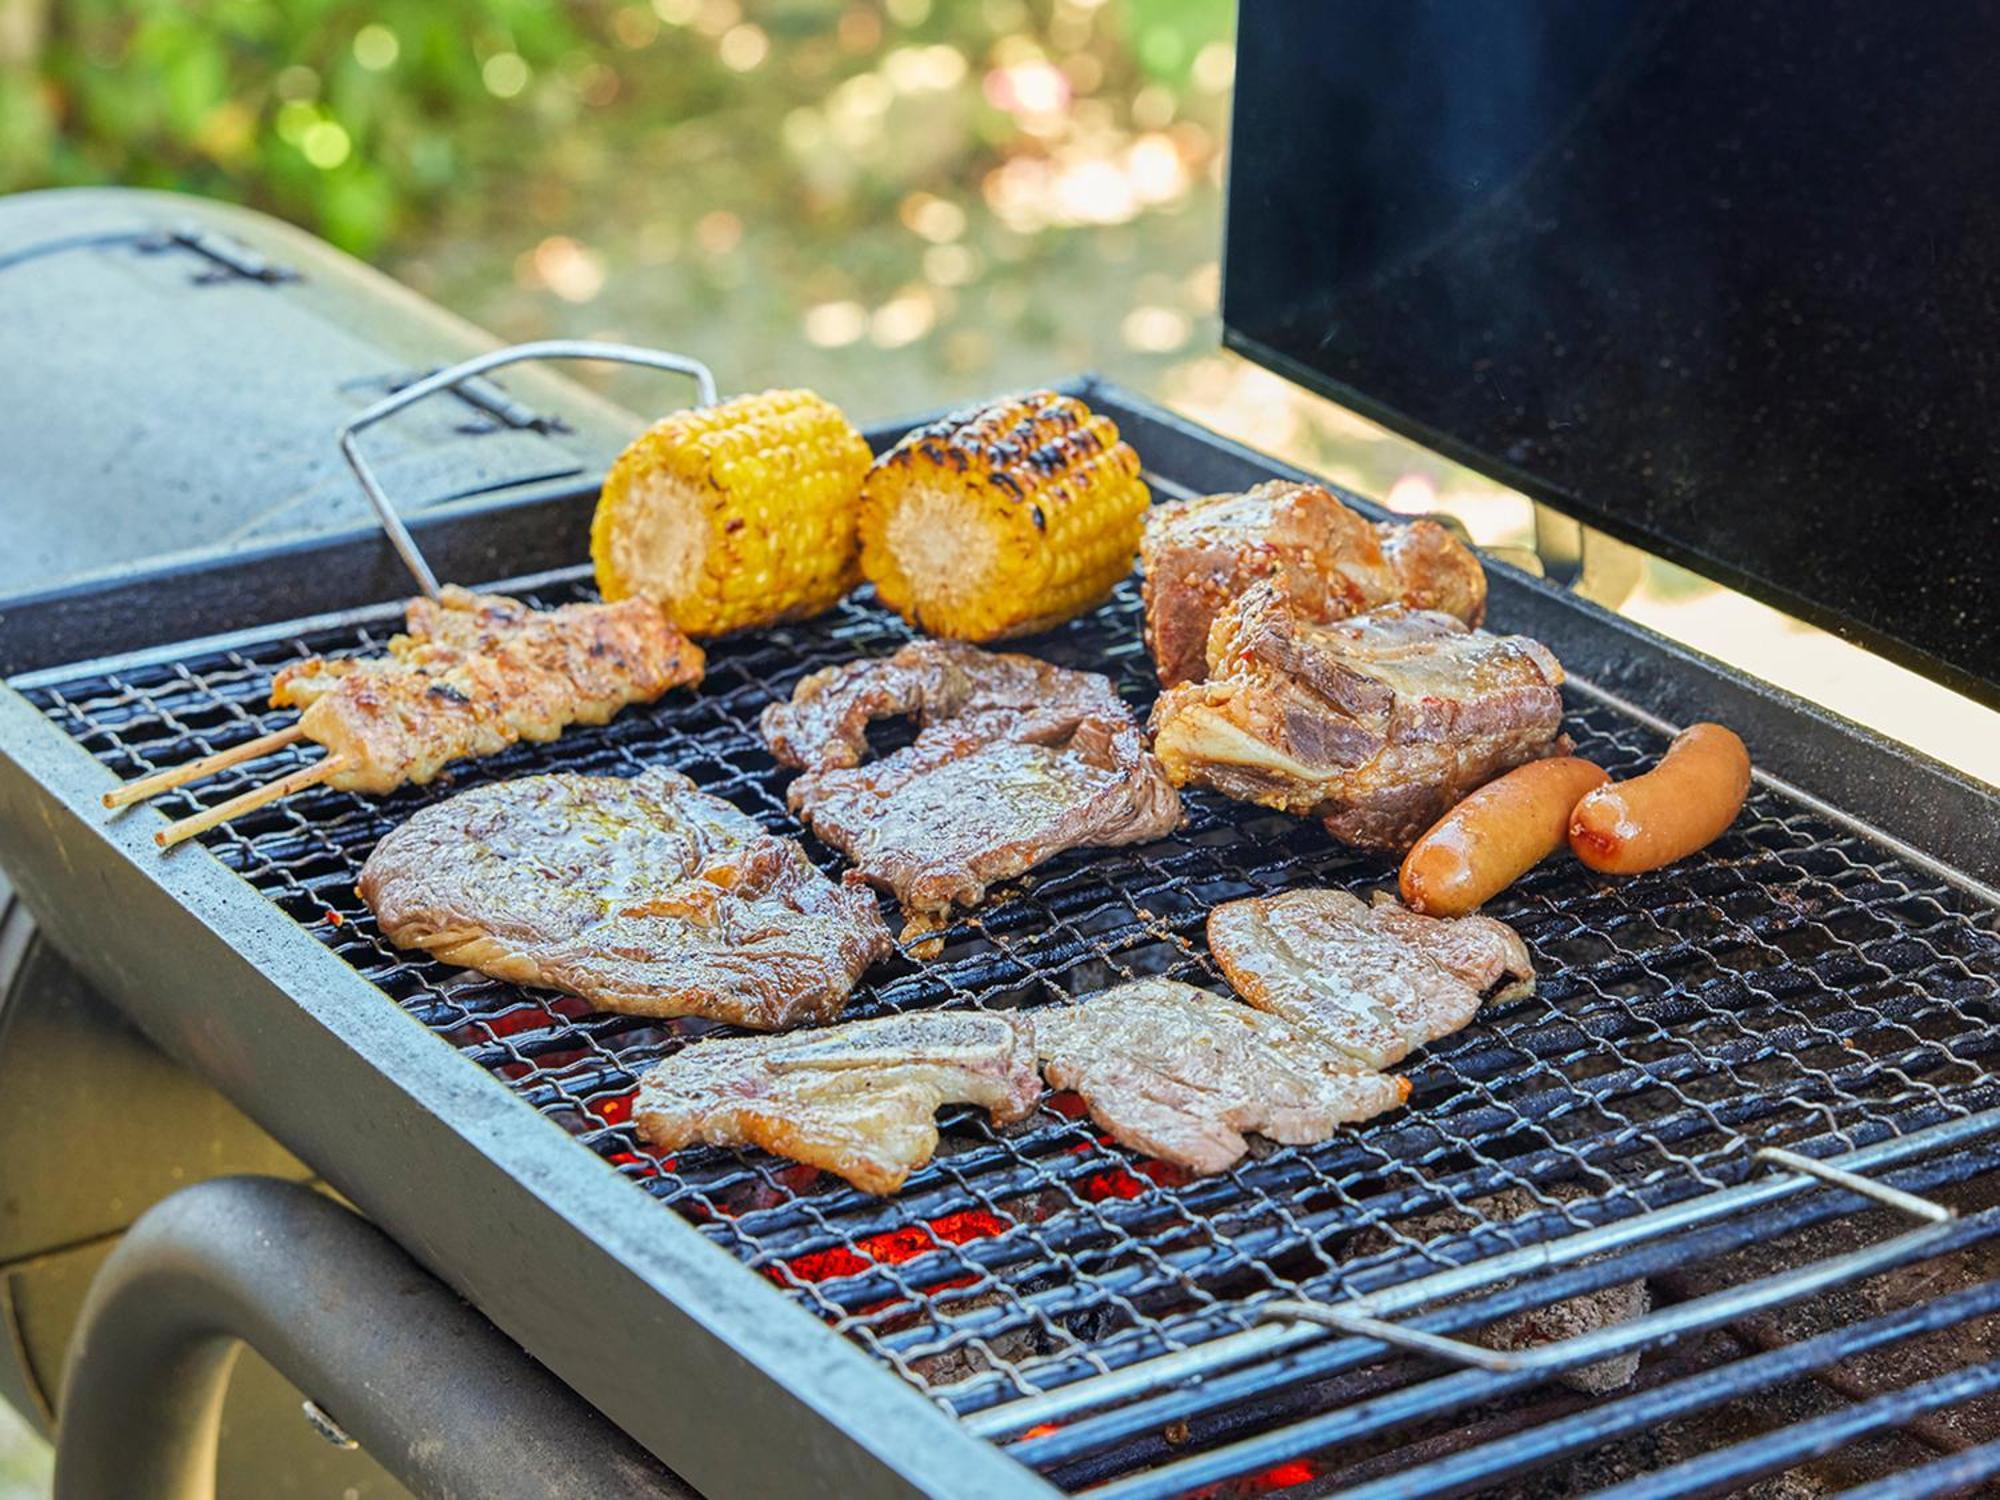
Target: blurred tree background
{"points": [[901, 203]]}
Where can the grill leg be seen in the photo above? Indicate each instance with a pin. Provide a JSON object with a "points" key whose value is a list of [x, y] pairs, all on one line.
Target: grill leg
{"points": [[423, 1382]]}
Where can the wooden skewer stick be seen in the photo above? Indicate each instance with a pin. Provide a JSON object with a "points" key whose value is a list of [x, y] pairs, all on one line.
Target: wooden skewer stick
{"points": [[271, 791], [208, 765]]}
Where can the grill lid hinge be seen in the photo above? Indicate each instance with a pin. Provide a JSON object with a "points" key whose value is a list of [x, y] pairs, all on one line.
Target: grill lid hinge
{"points": [[228, 259]]}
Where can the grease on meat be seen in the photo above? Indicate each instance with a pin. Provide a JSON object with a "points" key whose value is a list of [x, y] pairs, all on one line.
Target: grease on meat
{"points": [[641, 894]]}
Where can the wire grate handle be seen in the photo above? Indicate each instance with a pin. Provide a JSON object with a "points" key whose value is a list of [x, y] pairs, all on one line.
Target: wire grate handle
{"points": [[441, 380]]}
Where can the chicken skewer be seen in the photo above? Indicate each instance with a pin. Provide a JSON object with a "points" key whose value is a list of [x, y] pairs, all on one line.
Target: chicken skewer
{"points": [[473, 674]]}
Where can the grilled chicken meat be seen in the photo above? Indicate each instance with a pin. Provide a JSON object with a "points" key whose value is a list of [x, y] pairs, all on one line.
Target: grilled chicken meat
{"points": [[1199, 555], [1180, 1073], [1374, 981], [1375, 725], [1015, 760], [855, 1100], [473, 674], [643, 895]]}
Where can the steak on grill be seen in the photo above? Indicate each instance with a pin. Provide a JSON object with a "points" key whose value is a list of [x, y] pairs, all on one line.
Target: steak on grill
{"points": [[1374, 981], [856, 1100], [1015, 760], [1375, 725], [1180, 1073], [1198, 555], [640, 894]]}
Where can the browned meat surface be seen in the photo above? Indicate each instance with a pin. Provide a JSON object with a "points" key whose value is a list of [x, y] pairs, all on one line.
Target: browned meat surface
{"points": [[642, 894], [1374, 981], [1015, 760], [1375, 725], [1181, 1074], [1198, 555], [856, 1100], [473, 674]]}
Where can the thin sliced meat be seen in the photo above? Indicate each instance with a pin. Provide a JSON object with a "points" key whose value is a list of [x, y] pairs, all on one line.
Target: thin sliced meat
{"points": [[641, 894], [857, 1100], [1015, 760], [1374, 981], [1180, 1073]]}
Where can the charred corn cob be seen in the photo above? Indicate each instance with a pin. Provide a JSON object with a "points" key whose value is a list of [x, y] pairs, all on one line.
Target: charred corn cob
{"points": [[738, 514], [1002, 520]]}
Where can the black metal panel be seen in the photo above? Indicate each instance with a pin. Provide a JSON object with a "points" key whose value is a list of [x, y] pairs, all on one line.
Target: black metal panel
{"points": [[1723, 279]]}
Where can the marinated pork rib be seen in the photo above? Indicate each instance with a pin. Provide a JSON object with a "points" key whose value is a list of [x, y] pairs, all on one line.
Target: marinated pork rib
{"points": [[1016, 760], [1373, 981], [643, 895], [856, 1100], [1198, 555], [1181, 1074], [1376, 725]]}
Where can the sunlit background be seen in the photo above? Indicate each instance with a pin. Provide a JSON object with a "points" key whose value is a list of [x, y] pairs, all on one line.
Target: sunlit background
{"points": [[898, 202]]}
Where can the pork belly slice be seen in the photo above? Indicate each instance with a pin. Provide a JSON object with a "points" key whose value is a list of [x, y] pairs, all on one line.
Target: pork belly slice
{"points": [[1199, 555], [1015, 760], [1181, 1074], [641, 894], [857, 1100], [1375, 725], [1375, 980]]}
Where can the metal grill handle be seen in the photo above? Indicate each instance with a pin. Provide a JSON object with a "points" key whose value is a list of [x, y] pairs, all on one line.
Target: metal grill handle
{"points": [[392, 523], [1360, 1316]]}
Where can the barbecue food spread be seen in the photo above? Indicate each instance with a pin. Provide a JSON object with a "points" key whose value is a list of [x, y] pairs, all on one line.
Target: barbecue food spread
{"points": [[857, 1100], [640, 894], [1015, 760], [1003, 519], [471, 675], [1375, 725], [1495, 836], [737, 514], [1181, 1074], [1681, 805], [1198, 555], [1373, 981]]}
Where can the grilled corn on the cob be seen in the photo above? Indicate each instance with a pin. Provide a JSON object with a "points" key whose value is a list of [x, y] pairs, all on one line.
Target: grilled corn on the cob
{"points": [[738, 514], [1004, 519]]}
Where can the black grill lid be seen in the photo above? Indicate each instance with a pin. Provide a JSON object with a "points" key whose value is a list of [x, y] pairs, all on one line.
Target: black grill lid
{"points": [[1723, 279]]}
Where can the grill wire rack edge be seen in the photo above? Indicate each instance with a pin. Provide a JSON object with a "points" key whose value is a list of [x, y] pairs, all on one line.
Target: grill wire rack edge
{"points": [[1794, 985]]}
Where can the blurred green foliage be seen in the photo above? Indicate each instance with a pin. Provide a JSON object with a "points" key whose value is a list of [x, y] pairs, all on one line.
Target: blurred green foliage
{"points": [[368, 122], [345, 117]]}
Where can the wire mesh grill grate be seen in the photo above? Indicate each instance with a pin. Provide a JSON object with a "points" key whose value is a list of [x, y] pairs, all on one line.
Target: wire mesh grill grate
{"points": [[1794, 982]]}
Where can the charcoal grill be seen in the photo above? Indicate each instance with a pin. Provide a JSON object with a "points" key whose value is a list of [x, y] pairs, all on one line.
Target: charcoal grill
{"points": [[1037, 1301], [1759, 1079]]}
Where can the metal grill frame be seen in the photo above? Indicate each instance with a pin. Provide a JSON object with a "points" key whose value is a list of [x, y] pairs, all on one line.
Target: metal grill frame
{"points": [[461, 1170]]}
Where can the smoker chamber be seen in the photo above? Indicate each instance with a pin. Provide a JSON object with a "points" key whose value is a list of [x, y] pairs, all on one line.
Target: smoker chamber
{"points": [[1809, 982]]}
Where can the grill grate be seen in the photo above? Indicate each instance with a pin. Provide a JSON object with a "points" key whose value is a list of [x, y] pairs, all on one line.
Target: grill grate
{"points": [[1794, 983]]}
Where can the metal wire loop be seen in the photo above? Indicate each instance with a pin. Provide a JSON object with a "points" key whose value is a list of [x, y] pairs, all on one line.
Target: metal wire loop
{"points": [[1359, 1315], [392, 523]]}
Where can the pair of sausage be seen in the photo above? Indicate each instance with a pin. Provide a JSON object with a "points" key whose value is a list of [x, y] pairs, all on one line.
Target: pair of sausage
{"points": [[1508, 826]]}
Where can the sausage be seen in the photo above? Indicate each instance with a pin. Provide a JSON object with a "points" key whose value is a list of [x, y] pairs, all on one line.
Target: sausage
{"points": [[1495, 836], [1681, 805]]}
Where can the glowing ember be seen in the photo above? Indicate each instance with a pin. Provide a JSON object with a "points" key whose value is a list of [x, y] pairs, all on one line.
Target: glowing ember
{"points": [[891, 1247]]}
